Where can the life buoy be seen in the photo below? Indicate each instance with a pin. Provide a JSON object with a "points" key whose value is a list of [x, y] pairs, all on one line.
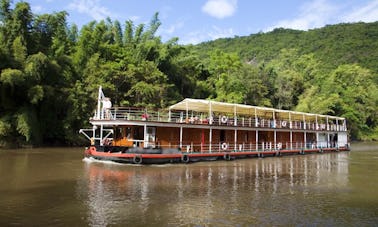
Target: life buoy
{"points": [[185, 158], [227, 157], [224, 146], [92, 149], [224, 119], [284, 123], [137, 159]]}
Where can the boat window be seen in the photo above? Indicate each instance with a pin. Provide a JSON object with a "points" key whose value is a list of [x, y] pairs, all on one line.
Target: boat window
{"points": [[138, 133], [118, 133], [128, 133], [151, 133], [222, 136]]}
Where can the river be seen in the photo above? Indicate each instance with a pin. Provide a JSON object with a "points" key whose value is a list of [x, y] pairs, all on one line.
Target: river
{"points": [[57, 187]]}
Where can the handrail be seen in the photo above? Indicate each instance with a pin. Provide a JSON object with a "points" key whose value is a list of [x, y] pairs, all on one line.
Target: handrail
{"points": [[135, 114], [188, 146]]}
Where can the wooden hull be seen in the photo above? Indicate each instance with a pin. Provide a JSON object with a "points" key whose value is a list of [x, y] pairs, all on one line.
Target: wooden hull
{"points": [[164, 156]]}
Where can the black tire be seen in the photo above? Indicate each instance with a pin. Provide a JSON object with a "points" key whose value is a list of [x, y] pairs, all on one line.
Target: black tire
{"points": [[227, 157], [185, 158], [137, 159]]}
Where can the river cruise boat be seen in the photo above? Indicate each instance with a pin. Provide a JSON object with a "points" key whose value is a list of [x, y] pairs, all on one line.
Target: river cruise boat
{"points": [[204, 130]]}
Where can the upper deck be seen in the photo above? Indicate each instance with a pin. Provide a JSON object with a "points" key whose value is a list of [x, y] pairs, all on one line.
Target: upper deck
{"points": [[206, 113]]}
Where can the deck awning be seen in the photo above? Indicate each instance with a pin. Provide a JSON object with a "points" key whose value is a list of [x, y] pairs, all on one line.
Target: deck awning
{"points": [[210, 106]]}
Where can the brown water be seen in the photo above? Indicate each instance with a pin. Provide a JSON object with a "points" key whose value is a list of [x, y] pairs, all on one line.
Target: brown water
{"points": [[56, 187]]}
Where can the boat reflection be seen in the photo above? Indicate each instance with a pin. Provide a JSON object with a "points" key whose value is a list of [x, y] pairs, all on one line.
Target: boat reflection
{"points": [[200, 193]]}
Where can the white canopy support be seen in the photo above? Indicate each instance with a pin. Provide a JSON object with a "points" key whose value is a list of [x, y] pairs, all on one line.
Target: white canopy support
{"points": [[85, 132], [210, 106]]}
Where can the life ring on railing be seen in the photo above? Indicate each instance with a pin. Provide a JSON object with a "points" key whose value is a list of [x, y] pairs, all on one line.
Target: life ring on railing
{"points": [[224, 146], [224, 119], [137, 159], [185, 158], [284, 123]]}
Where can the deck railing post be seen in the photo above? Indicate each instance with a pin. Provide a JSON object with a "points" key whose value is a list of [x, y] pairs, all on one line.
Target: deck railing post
{"points": [[257, 139], [210, 138], [101, 134], [291, 140], [235, 138], [337, 124], [180, 136]]}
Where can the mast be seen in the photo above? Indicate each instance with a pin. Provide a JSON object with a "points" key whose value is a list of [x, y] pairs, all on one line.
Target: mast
{"points": [[99, 102]]}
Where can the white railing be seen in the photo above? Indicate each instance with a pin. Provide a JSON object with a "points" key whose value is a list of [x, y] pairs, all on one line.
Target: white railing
{"points": [[245, 147], [134, 114]]}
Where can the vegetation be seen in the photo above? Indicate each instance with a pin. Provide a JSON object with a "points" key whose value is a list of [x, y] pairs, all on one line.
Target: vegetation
{"points": [[50, 72]]}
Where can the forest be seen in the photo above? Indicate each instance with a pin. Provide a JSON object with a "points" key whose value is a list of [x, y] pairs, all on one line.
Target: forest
{"points": [[51, 71]]}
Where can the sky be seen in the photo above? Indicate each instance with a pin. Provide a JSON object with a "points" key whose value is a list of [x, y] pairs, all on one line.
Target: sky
{"points": [[195, 21]]}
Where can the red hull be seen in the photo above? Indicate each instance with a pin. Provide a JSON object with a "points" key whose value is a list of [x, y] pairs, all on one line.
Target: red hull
{"points": [[182, 157]]}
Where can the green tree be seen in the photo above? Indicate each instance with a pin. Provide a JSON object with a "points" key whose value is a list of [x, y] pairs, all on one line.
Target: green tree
{"points": [[349, 91]]}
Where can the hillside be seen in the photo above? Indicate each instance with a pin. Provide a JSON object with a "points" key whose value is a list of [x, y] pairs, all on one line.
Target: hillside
{"points": [[328, 70], [333, 45]]}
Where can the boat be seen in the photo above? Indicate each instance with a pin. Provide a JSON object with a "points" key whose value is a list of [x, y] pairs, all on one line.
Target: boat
{"points": [[196, 130]]}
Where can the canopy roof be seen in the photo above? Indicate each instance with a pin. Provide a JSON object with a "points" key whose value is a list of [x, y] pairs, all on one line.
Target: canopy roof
{"points": [[210, 106]]}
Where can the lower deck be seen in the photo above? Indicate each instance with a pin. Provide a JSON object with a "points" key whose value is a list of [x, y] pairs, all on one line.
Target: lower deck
{"points": [[161, 156], [207, 140]]}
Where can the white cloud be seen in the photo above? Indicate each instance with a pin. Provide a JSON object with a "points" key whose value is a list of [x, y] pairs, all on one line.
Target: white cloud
{"points": [[172, 29], [318, 13], [202, 36], [312, 14], [217, 33], [220, 8], [37, 9], [367, 13], [92, 8]]}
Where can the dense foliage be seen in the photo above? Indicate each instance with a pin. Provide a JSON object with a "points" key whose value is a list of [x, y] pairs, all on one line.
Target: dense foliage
{"points": [[50, 72]]}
